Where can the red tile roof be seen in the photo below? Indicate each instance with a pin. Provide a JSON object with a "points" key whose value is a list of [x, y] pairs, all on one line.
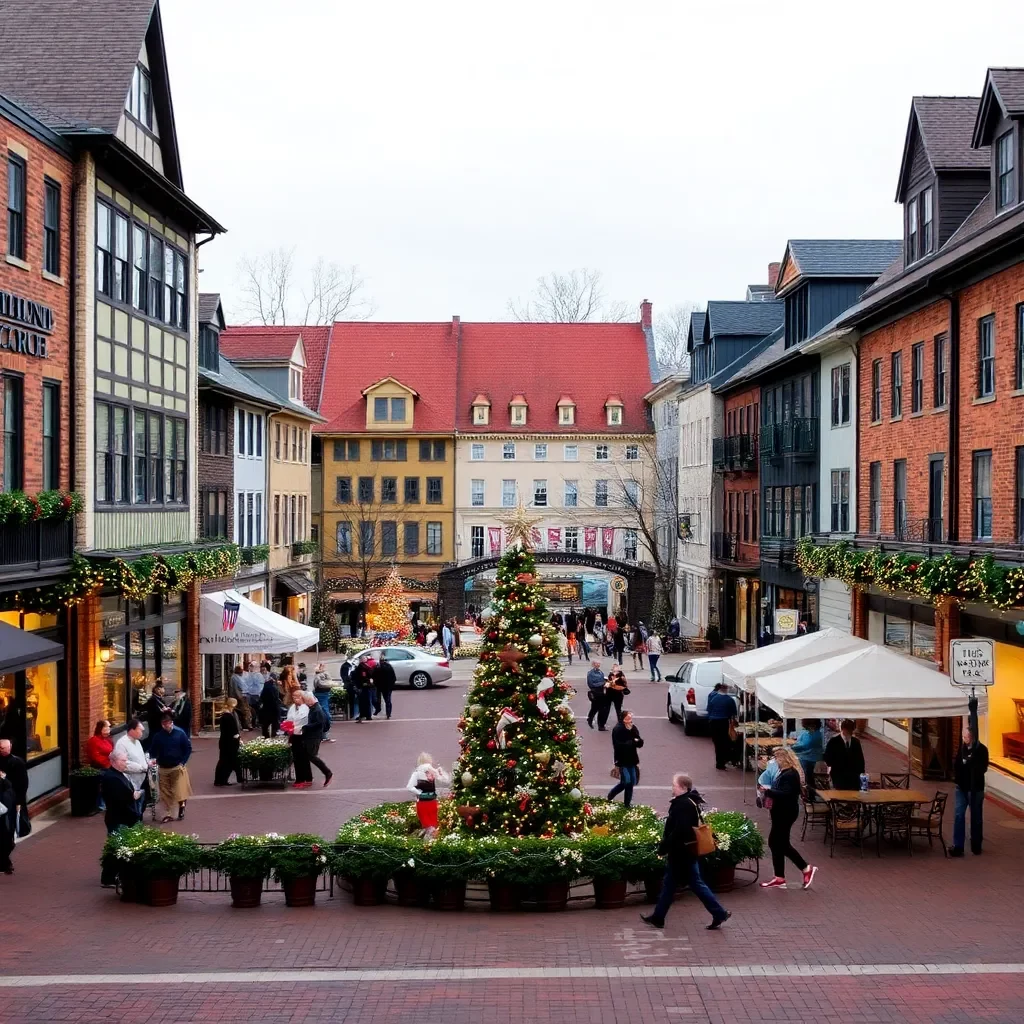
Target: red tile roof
{"points": [[420, 356], [274, 342], [589, 363]]}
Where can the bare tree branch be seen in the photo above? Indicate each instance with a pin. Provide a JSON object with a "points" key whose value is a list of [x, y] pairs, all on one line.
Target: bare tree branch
{"points": [[572, 298], [670, 332], [271, 295]]}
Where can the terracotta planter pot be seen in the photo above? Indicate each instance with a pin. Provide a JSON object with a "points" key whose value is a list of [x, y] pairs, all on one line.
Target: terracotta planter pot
{"points": [[411, 891], [160, 892], [368, 892], [246, 892], [652, 888], [721, 879], [609, 894], [300, 892], [505, 897], [450, 897], [552, 896], [130, 887]]}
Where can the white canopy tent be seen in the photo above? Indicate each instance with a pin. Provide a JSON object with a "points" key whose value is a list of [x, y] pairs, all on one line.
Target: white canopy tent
{"points": [[742, 669], [252, 629]]}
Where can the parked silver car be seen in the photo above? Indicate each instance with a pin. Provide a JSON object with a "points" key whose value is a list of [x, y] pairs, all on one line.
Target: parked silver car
{"points": [[413, 667]]}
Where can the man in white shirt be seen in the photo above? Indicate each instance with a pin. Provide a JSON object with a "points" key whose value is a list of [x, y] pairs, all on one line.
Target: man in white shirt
{"points": [[138, 764]]}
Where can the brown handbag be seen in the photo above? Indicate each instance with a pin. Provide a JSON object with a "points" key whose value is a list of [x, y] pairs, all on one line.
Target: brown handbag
{"points": [[703, 839], [615, 773]]}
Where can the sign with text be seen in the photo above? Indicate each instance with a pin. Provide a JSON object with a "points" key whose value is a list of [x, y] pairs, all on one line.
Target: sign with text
{"points": [[971, 662], [786, 621]]}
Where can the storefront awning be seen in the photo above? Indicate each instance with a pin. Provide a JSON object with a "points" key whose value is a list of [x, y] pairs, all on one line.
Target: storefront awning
{"points": [[20, 650], [229, 623], [296, 583]]}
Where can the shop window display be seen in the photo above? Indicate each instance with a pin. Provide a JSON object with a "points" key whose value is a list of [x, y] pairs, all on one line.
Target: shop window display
{"points": [[1002, 728]]}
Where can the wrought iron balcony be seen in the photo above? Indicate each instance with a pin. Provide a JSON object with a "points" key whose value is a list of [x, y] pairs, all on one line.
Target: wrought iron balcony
{"points": [[36, 548], [735, 453], [781, 550], [792, 437]]}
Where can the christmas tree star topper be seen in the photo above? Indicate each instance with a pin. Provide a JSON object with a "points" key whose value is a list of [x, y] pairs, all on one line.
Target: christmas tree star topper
{"points": [[519, 526]]}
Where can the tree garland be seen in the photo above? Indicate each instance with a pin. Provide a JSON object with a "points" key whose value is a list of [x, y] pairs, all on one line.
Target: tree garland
{"points": [[19, 509], [981, 580], [135, 580]]}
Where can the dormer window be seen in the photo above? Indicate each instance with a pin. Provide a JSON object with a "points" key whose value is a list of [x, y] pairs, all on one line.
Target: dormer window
{"points": [[209, 349], [926, 221], [920, 225], [481, 411], [517, 411], [912, 234], [295, 384], [613, 409], [140, 98], [566, 411], [1005, 191], [387, 410]]}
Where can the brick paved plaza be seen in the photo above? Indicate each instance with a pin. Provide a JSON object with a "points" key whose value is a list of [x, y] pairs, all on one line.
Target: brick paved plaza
{"points": [[893, 939]]}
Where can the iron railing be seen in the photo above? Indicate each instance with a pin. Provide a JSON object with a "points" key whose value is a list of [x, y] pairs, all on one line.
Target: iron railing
{"points": [[792, 437], [35, 546], [735, 452]]}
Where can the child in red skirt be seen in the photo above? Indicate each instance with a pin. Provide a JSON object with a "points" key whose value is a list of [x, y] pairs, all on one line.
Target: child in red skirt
{"points": [[423, 782]]}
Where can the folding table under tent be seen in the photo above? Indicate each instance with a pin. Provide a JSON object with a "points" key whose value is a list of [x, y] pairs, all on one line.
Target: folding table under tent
{"points": [[230, 623]]}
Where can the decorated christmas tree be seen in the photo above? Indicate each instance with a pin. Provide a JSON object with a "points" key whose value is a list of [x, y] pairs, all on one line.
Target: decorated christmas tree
{"points": [[520, 770], [390, 614]]}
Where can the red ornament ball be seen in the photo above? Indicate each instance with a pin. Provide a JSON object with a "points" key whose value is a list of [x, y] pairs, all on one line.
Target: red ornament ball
{"points": [[551, 673], [492, 635], [510, 763], [491, 745], [532, 697]]}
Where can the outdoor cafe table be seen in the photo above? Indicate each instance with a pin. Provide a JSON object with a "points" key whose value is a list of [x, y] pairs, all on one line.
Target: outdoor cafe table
{"points": [[873, 800]]}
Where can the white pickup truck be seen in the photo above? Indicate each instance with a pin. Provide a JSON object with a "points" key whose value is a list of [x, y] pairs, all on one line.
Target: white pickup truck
{"points": [[688, 691]]}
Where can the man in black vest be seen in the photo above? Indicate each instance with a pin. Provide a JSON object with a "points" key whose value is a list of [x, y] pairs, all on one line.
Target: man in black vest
{"points": [[844, 757], [122, 800]]}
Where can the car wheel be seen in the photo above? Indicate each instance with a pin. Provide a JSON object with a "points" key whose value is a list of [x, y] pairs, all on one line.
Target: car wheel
{"points": [[419, 680], [672, 716], [690, 725]]}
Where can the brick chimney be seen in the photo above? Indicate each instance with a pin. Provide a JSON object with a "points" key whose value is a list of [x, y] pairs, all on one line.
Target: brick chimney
{"points": [[773, 274], [645, 314], [456, 327]]}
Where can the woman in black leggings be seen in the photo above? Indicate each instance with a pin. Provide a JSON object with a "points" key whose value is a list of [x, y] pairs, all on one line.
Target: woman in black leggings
{"points": [[785, 809], [312, 737]]}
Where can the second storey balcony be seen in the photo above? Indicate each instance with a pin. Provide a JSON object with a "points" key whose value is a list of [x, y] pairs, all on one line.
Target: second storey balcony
{"points": [[38, 550], [798, 437], [735, 452]]}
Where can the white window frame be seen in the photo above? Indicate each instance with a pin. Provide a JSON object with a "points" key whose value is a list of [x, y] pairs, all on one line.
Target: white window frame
{"points": [[540, 453], [632, 453], [572, 538], [481, 415], [571, 452], [614, 415], [476, 453], [540, 491], [566, 415], [508, 494], [600, 491], [601, 453], [517, 415], [631, 493], [508, 451], [571, 491], [475, 533], [476, 490]]}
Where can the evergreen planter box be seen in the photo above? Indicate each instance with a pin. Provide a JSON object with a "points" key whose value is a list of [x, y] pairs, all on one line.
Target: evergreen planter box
{"points": [[265, 762], [369, 892], [84, 785], [609, 894], [450, 896], [150, 863], [551, 896], [505, 897], [246, 892]]}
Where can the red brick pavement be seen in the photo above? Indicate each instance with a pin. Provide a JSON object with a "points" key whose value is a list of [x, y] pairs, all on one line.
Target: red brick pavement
{"points": [[897, 909]]}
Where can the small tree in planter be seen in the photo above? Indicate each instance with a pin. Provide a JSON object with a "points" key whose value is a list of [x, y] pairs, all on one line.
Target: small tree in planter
{"points": [[150, 863], [265, 760], [737, 838], [247, 861], [298, 861]]}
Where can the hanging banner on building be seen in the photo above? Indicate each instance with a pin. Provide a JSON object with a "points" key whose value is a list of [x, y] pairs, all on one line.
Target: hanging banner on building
{"points": [[608, 540], [494, 539], [590, 539], [535, 538], [554, 538]]}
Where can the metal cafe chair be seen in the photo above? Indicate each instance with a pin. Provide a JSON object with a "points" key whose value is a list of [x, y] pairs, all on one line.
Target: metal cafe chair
{"points": [[894, 824], [895, 780], [844, 824], [929, 824]]}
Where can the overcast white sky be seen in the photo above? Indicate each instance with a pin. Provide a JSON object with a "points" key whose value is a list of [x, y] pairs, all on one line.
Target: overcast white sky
{"points": [[457, 151]]}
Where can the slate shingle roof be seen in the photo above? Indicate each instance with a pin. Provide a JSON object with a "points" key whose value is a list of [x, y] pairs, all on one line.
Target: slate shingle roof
{"points": [[1009, 83], [230, 378], [844, 257], [737, 317], [696, 330], [208, 303], [947, 127]]}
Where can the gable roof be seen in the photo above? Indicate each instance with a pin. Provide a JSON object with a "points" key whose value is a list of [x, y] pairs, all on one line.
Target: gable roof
{"points": [[945, 127], [541, 362], [742, 318], [839, 257], [695, 335], [421, 356], [1002, 96], [210, 310], [231, 380]]}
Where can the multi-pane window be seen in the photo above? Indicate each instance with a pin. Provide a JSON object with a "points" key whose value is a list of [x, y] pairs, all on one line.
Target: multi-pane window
{"points": [[140, 98], [508, 493], [941, 371], [986, 357], [412, 490], [343, 538], [15, 206], [897, 384], [344, 451], [380, 410], [476, 452], [875, 498], [809, 509], [295, 384], [388, 451], [1005, 191], [209, 347], [389, 537], [175, 485], [388, 490], [601, 453], [277, 522], [926, 221], [140, 270], [913, 237], [629, 544], [876, 390], [540, 452], [112, 453], [434, 538], [367, 538], [434, 490], [412, 538], [433, 451], [476, 497], [601, 493], [572, 494], [1018, 361], [518, 413], [366, 489], [14, 432], [215, 515], [1019, 496], [51, 227], [508, 450], [51, 436], [572, 538], [571, 452], [899, 493], [632, 452], [840, 500], [917, 377], [841, 395], [476, 541], [158, 455], [983, 495], [540, 493], [631, 493], [343, 490]]}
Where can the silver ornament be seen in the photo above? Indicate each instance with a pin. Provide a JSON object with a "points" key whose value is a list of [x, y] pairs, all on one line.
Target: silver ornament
{"points": [[575, 793], [536, 640], [467, 778]]}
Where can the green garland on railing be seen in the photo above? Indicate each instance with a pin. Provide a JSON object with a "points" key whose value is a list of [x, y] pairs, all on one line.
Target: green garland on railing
{"points": [[19, 509], [135, 580], [255, 554], [979, 579]]}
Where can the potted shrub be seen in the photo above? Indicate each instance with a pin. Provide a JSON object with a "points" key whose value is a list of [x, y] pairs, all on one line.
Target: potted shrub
{"points": [[737, 838], [368, 867], [84, 784], [497, 862], [607, 860], [247, 861], [150, 862], [298, 861], [375, 846], [446, 864], [265, 760], [543, 868]]}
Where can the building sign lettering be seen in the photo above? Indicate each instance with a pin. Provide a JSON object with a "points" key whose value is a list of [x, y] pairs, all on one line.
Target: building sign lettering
{"points": [[27, 325]]}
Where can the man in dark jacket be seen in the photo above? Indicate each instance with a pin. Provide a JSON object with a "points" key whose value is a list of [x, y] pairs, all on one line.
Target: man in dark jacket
{"points": [[599, 703], [153, 712], [721, 711], [844, 757], [678, 847], [384, 682], [969, 774], [362, 676], [270, 708], [16, 771], [122, 804]]}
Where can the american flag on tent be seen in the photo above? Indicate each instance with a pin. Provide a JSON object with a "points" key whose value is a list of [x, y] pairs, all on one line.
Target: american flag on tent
{"points": [[230, 619]]}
